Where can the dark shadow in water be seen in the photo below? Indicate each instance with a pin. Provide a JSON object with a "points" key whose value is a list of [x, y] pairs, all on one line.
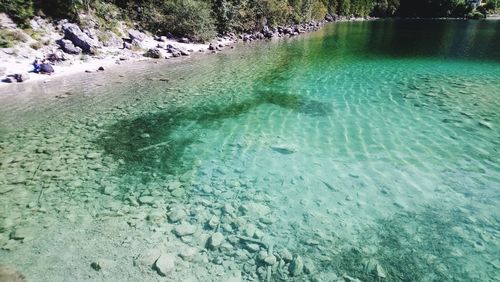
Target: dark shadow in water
{"points": [[155, 143], [412, 247]]}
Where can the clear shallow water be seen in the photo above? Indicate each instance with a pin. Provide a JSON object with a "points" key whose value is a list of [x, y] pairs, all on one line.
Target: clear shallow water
{"points": [[364, 144]]}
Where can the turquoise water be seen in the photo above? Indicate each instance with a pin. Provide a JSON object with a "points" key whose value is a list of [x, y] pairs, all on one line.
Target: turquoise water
{"points": [[368, 149]]}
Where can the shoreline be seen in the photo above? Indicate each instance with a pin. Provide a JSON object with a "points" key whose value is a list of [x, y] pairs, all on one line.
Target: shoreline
{"points": [[114, 57]]}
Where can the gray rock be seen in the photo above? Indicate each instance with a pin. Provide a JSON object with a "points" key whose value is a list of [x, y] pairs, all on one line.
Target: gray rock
{"points": [[296, 266], [147, 258], [165, 264], [93, 156], [485, 124], [256, 210], [184, 40], [188, 254], [21, 77], [146, 200], [68, 47], [73, 33], [9, 51], [309, 266], [127, 45], [174, 185], [175, 51], [111, 40], [184, 229], [9, 79], [215, 240], [134, 34], [177, 215], [270, 259], [154, 53], [214, 221], [251, 247], [380, 271]]}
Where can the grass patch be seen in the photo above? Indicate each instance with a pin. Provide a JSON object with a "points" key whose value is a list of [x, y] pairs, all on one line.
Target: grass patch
{"points": [[9, 38]]}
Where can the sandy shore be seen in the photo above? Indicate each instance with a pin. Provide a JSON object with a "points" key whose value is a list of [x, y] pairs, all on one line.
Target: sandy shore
{"points": [[112, 57]]}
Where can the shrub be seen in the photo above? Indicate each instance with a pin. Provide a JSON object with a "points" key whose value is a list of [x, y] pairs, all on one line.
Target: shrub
{"points": [[475, 15], [9, 38], [189, 18]]}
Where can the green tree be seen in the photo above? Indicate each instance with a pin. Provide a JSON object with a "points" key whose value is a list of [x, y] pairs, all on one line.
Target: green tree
{"points": [[19, 10]]}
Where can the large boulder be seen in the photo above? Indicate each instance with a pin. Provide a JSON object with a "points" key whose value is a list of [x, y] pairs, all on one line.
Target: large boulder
{"points": [[154, 53], [73, 33], [68, 47], [176, 52], [134, 34], [110, 39]]}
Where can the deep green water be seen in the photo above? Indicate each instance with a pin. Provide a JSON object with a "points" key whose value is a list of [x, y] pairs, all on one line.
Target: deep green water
{"points": [[367, 142]]}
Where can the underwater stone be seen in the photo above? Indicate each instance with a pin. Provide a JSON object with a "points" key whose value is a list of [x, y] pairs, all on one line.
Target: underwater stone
{"points": [[286, 255], [177, 215], [177, 193], [214, 221], [252, 247], [146, 200], [380, 271], [215, 240], [229, 209], [184, 230], [165, 264], [256, 210], [308, 266], [296, 266], [485, 124], [93, 156], [270, 259], [188, 253], [108, 190], [174, 185]]}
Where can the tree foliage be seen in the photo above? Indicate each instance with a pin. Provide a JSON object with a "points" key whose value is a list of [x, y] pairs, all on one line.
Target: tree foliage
{"points": [[201, 19]]}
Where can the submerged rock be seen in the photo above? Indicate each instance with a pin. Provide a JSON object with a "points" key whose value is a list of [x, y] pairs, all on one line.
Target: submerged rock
{"points": [[177, 215], [296, 266], [165, 264], [146, 200], [215, 240], [284, 149], [184, 230]]}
